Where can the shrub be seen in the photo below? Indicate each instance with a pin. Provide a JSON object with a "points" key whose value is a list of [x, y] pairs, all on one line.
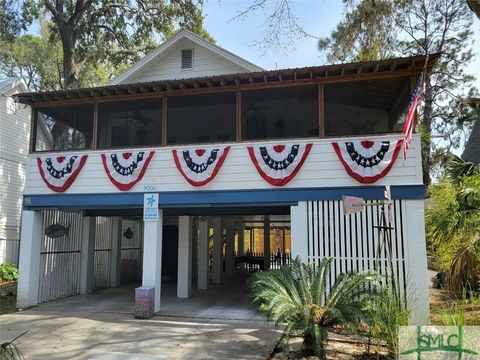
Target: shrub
{"points": [[8, 272], [296, 294], [388, 313]]}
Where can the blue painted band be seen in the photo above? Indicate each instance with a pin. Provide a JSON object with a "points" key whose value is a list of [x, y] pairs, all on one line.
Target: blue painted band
{"points": [[273, 197]]}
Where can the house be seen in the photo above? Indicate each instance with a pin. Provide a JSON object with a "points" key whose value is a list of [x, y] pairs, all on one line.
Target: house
{"points": [[199, 165], [14, 140], [471, 152]]}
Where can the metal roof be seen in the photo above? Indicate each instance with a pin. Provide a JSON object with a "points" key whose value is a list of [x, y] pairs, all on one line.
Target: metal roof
{"points": [[348, 70]]}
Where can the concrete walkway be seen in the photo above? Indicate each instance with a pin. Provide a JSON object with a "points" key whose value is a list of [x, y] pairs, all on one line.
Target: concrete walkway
{"points": [[216, 324]]}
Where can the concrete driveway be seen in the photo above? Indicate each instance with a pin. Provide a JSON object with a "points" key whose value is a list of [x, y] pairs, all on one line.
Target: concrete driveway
{"points": [[97, 327]]}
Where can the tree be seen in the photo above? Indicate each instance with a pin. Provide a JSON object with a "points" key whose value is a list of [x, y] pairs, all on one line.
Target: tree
{"points": [[453, 224], [296, 294], [373, 29], [116, 32]]}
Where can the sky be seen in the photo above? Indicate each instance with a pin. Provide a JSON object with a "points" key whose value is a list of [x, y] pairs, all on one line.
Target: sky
{"points": [[317, 17]]}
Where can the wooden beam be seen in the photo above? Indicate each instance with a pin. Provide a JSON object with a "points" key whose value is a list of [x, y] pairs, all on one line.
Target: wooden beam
{"points": [[321, 110], [209, 83], [238, 115], [326, 73], [342, 72], [265, 78], [164, 120], [222, 82], [376, 67], [280, 77], [359, 70], [251, 80], [393, 66], [196, 85], [95, 126], [182, 85], [294, 76], [237, 81]]}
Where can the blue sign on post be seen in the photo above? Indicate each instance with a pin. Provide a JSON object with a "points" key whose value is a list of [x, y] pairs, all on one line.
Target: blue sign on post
{"points": [[150, 207]]}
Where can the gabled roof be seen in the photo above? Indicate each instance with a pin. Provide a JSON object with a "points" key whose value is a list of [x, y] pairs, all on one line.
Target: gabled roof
{"points": [[9, 83], [180, 35], [472, 147]]}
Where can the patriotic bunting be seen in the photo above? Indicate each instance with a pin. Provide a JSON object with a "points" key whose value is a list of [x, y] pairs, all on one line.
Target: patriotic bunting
{"points": [[59, 172], [125, 169], [366, 160], [200, 166], [278, 164]]}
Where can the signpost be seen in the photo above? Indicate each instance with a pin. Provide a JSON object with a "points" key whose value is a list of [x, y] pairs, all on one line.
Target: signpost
{"points": [[150, 207]]}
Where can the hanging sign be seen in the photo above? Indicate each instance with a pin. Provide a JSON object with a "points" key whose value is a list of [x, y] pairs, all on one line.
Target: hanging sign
{"points": [[367, 160], [278, 164], [59, 172], [200, 166], [125, 169], [150, 207]]}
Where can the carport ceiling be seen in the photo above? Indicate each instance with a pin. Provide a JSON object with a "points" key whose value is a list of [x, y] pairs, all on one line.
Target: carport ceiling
{"points": [[199, 211]]}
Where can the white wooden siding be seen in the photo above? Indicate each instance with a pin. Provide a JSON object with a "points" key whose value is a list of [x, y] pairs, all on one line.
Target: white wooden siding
{"points": [[205, 63], [321, 169], [14, 140]]}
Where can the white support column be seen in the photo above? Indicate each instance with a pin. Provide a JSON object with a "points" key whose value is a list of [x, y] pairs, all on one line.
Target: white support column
{"points": [[229, 247], [299, 231], [194, 248], [152, 256], [266, 243], [217, 251], [29, 261], [184, 278], [202, 275], [87, 254], [416, 259], [116, 252]]}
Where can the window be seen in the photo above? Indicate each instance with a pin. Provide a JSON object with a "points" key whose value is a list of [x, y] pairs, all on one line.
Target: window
{"points": [[130, 123], [187, 59], [280, 113], [64, 128], [366, 107], [195, 119]]}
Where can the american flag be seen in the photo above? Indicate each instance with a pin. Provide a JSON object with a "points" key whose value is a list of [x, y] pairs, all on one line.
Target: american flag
{"points": [[410, 120]]}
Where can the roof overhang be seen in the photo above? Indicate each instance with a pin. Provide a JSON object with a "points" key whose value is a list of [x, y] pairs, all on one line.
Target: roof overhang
{"points": [[334, 72]]}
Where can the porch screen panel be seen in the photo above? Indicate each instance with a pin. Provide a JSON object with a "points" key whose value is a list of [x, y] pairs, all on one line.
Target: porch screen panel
{"points": [[130, 123], [102, 253], [366, 107], [64, 128], [60, 256], [353, 240], [131, 252], [288, 112], [197, 119]]}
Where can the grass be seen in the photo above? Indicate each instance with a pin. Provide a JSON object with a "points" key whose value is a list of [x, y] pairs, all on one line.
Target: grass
{"points": [[445, 310]]}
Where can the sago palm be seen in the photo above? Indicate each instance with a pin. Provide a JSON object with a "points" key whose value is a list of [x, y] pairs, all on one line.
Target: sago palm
{"points": [[297, 294]]}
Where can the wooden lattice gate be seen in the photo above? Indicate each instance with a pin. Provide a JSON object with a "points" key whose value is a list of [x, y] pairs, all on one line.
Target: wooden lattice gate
{"points": [[102, 253], [60, 255], [131, 251]]}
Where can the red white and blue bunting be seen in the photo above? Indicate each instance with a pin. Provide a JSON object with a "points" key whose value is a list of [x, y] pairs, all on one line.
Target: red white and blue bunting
{"points": [[125, 169], [59, 172], [200, 166], [367, 160], [278, 164]]}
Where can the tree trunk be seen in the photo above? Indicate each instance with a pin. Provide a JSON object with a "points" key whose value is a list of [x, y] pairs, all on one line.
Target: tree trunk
{"points": [[427, 129], [69, 74]]}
